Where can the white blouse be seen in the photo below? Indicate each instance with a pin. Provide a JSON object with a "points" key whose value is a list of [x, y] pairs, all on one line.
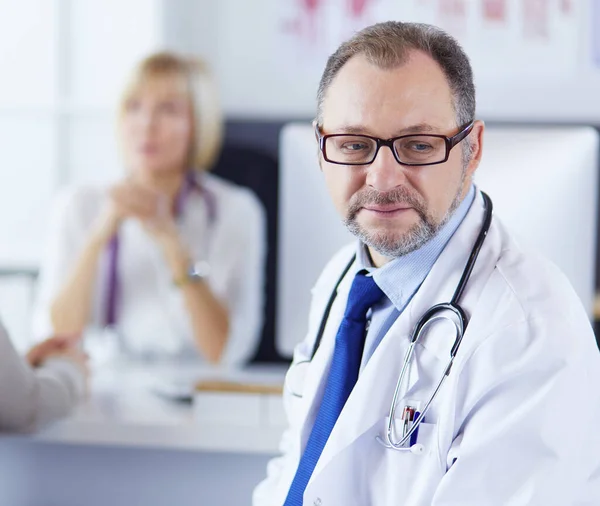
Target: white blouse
{"points": [[224, 225]]}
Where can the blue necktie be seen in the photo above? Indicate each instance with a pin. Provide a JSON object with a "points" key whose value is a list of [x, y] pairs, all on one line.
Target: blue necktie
{"points": [[349, 343]]}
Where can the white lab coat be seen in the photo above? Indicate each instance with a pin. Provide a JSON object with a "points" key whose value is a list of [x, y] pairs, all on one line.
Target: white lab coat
{"points": [[517, 421]]}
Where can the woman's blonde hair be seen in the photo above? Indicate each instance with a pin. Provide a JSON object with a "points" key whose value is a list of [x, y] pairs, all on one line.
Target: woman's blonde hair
{"points": [[207, 116]]}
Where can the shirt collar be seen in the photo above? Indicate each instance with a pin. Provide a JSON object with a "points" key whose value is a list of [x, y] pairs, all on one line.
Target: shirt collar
{"points": [[400, 278]]}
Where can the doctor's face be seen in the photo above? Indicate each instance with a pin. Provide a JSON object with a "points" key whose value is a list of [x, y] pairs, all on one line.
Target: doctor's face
{"points": [[394, 209]]}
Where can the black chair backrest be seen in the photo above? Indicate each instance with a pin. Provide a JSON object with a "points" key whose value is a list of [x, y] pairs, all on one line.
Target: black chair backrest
{"points": [[258, 171]]}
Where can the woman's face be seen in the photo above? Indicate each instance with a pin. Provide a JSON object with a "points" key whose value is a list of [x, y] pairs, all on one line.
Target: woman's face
{"points": [[157, 127]]}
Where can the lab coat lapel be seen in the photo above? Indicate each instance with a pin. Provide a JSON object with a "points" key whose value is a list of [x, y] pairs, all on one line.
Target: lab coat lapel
{"points": [[318, 371], [370, 400]]}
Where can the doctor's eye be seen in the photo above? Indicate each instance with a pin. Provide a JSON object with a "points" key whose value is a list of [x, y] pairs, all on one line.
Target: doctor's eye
{"points": [[419, 147], [355, 146], [350, 148]]}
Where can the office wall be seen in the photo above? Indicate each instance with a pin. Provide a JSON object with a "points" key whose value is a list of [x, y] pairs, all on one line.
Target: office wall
{"points": [[240, 42], [548, 77], [63, 64]]}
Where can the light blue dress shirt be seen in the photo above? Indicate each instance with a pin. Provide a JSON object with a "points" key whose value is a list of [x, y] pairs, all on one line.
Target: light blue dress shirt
{"points": [[401, 278]]}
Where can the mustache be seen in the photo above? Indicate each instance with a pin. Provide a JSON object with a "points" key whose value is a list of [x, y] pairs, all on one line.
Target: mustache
{"points": [[399, 195]]}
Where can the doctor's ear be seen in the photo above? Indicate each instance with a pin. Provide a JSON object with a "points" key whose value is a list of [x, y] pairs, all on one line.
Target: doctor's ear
{"points": [[315, 126], [316, 131], [475, 147]]}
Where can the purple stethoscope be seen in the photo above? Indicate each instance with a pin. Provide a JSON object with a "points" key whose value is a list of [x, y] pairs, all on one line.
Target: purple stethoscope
{"points": [[190, 185]]}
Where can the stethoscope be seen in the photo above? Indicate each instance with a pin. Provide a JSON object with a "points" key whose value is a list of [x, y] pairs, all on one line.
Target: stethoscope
{"points": [[450, 311]]}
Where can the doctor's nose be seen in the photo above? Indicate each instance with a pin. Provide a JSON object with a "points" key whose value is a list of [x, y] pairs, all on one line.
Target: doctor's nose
{"points": [[385, 173]]}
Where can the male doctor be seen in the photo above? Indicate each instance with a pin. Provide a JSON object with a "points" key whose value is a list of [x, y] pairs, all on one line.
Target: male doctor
{"points": [[517, 421]]}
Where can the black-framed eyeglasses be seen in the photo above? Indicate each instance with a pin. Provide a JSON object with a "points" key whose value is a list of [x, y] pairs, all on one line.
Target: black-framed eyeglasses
{"points": [[412, 150]]}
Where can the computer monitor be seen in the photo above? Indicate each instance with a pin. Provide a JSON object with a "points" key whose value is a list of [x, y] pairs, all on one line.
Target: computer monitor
{"points": [[543, 182]]}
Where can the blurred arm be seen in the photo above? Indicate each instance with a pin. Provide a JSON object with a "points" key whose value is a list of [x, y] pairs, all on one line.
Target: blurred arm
{"points": [[71, 308], [226, 323], [71, 267], [68, 270], [208, 316], [245, 292], [29, 399]]}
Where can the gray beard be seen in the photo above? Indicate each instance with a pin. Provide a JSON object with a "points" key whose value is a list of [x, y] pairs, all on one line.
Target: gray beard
{"points": [[420, 233]]}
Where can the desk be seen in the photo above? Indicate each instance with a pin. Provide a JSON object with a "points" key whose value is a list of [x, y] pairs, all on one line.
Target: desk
{"points": [[127, 446]]}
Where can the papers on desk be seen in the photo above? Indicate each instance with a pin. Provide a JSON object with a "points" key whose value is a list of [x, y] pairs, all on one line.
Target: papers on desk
{"points": [[238, 388], [250, 397]]}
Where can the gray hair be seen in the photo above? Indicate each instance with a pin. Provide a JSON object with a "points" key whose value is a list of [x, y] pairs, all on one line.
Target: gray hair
{"points": [[389, 44]]}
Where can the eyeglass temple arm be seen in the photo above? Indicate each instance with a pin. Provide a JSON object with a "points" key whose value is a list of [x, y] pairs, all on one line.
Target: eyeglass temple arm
{"points": [[461, 135]]}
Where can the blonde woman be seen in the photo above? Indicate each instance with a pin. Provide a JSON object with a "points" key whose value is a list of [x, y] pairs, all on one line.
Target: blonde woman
{"points": [[171, 257]]}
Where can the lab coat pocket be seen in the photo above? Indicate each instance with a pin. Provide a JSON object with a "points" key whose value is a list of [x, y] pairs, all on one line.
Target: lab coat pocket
{"points": [[400, 476], [423, 441]]}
